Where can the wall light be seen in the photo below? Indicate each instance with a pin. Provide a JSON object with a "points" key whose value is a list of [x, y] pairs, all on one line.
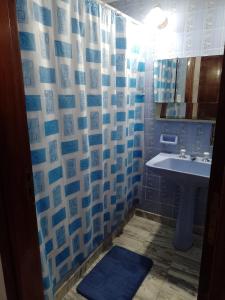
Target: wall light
{"points": [[156, 18]]}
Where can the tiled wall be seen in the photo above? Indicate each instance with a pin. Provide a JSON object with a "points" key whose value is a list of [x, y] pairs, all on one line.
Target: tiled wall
{"points": [[199, 30], [195, 27], [158, 195]]}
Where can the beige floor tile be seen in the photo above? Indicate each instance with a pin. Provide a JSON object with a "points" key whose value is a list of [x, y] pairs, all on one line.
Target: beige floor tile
{"points": [[174, 275], [172, 291]]}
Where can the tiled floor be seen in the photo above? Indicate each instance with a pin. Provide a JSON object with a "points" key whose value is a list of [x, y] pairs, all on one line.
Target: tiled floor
{"points": [[174, 275]]}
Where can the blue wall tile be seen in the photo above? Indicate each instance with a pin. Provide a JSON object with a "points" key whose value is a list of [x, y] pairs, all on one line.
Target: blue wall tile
{"points": [[161, 196]]}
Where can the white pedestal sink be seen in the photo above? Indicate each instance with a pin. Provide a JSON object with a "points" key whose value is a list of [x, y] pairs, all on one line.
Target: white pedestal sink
{"points": [[189, 175]]}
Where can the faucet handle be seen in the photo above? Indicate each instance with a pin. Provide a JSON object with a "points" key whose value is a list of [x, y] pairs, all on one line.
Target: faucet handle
{"points": [[206, 156], [193, 157], [183, 153]]}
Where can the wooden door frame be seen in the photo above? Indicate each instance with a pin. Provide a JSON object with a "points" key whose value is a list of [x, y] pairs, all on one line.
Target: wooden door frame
{"points": [[19, 245], [212, 275]]}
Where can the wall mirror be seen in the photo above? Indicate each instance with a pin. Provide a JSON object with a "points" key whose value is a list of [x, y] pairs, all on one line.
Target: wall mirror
{"points": [[187, 88]]}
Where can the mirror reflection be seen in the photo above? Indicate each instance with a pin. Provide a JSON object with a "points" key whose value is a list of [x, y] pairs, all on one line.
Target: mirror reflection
{"points": [[187, 88]]}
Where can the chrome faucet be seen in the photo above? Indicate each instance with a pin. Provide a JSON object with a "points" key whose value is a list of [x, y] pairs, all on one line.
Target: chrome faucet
{"points": [[182, 153], [206, 157], [193, 157]]}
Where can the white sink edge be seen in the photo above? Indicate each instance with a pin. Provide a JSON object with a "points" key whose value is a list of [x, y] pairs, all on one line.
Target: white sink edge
{"points": [[163, 156]]}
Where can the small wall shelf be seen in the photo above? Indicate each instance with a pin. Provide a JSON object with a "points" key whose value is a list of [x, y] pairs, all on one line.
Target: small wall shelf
{"points": [[187, 120]]}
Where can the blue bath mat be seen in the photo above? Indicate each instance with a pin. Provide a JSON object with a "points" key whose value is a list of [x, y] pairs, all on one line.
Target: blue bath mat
{"points": [[117, 276]]}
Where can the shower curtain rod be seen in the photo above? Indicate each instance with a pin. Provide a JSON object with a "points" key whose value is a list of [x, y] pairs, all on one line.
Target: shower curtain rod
{"points": [[119, 12]]}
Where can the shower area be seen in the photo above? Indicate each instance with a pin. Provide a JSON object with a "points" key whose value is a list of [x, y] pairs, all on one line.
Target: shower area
{"points": [[83, 70]]}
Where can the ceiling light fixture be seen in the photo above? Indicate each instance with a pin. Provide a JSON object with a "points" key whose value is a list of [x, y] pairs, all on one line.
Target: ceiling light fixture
{"points": [[156, 18]]}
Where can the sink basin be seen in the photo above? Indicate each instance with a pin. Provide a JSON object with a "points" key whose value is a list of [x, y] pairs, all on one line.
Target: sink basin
{"points": [[181, 169], [190, 175]]}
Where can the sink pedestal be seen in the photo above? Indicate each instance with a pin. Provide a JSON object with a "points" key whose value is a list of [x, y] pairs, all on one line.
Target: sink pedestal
{"points": [[190, 175], [185, 219]]}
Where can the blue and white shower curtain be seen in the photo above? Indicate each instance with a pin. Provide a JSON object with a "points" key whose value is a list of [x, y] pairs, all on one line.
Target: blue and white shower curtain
{"points": [[84, 83], [164, 82], [182, 64]]}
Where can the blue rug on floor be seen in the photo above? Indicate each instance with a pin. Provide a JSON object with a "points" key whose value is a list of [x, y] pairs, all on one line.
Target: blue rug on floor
{"points": [[117, 276]]}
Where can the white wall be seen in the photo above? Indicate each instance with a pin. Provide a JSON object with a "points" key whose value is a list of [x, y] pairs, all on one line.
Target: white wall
{"points": [[2, 284], [196, 27]]}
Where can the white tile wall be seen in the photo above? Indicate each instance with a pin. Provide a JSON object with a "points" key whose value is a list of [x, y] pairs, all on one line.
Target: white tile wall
{"points": [[196, 27]]}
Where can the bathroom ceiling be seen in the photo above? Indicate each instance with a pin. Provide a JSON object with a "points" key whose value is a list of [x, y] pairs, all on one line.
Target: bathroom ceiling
{"points": [[136, 9]]}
